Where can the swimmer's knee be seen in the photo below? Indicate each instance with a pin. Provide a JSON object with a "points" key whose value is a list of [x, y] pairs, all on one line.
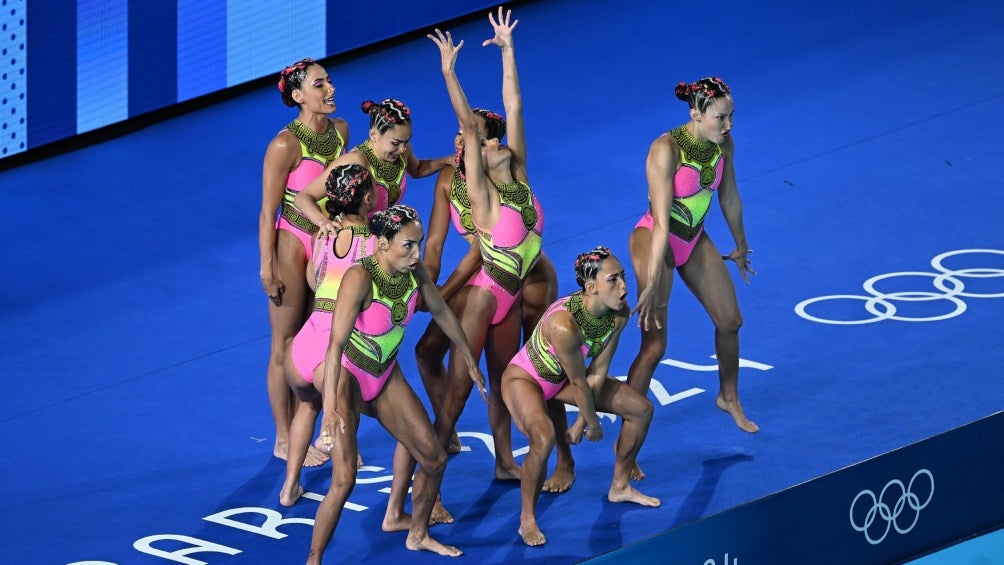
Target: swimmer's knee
{"points": [[730, 324], [541, 437], [343, 478]]}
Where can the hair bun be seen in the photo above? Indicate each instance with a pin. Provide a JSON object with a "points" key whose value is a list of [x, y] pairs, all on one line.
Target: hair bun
{"points": [[368, 106], [682, 91]]}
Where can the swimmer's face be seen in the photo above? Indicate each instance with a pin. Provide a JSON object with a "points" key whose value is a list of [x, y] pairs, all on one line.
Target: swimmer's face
{"points": [[316, 93], [610, 284], [403, 251], [715, 123], [494, 153], [392, 144]]}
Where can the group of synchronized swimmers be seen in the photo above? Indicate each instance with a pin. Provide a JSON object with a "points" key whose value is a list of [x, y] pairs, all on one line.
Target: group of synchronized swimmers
{"points": [[343, 266]]}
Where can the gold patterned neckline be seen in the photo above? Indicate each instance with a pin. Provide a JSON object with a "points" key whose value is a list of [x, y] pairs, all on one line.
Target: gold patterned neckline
{"points": [[701, 152], [327, 144], [391, 287], [388, 171], [517, 193], [593, 328]]}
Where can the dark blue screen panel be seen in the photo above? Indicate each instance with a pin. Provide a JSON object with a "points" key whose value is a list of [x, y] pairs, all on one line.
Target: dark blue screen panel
{"points": [[73, 66]]}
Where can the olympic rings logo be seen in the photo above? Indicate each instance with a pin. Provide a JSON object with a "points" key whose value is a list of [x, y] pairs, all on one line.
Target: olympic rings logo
{"points": [[880, 304], [880, 509]]}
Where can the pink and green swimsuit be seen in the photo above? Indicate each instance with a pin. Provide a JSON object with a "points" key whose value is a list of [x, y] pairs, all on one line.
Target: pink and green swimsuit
{"points": [[694, 184], [371, 351], [537, 356], [316, 151], [311, 342], [460, 207], [511, 248]]}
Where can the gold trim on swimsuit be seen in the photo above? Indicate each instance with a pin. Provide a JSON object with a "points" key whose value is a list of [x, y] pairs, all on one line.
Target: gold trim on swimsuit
{"points": [[373, 367], [510, 282], [543, 371], [294, 217], [594, 329], [324, 304], [685, 232], [389, 173], [700, 152], [327, 145]]}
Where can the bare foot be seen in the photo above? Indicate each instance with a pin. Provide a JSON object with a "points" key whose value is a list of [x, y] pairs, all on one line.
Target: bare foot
{"points": [[736, 410], [636, 472], [429, 544], [317, 455], [560, 481], [506, 473], [399, 523], [629, 494], [287, 498], [280, 449], [439, 514], [531, 534], [454, 446], [574, 433]]}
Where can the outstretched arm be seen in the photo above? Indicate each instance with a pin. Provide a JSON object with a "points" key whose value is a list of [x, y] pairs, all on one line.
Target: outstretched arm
{"points": [[732, 209], [512, 100], [420, 168], [477, 182]]}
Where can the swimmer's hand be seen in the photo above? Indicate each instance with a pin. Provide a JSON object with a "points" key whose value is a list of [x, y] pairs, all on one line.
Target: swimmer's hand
{"points": [[331, 423], [479, 380], [475, 373], [648, 308], [741, 257], [594, 433]]}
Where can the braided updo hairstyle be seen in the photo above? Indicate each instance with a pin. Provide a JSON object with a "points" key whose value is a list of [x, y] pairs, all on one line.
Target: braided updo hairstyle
{"points": [[587, 264], [386, 223], [346, 186], [291, 78], [386, 115], [699, 94]]}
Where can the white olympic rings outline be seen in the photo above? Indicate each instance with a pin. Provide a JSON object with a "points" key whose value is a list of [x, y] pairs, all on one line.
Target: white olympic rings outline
{"points": [[946, 280], [891, 515]]}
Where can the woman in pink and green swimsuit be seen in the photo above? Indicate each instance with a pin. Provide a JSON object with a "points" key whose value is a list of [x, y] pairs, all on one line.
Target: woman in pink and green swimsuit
{"points": [[297, 154], [360, 374], [685, 168], [350, 196], [584, 326], [508, 223], [451, 205]]}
